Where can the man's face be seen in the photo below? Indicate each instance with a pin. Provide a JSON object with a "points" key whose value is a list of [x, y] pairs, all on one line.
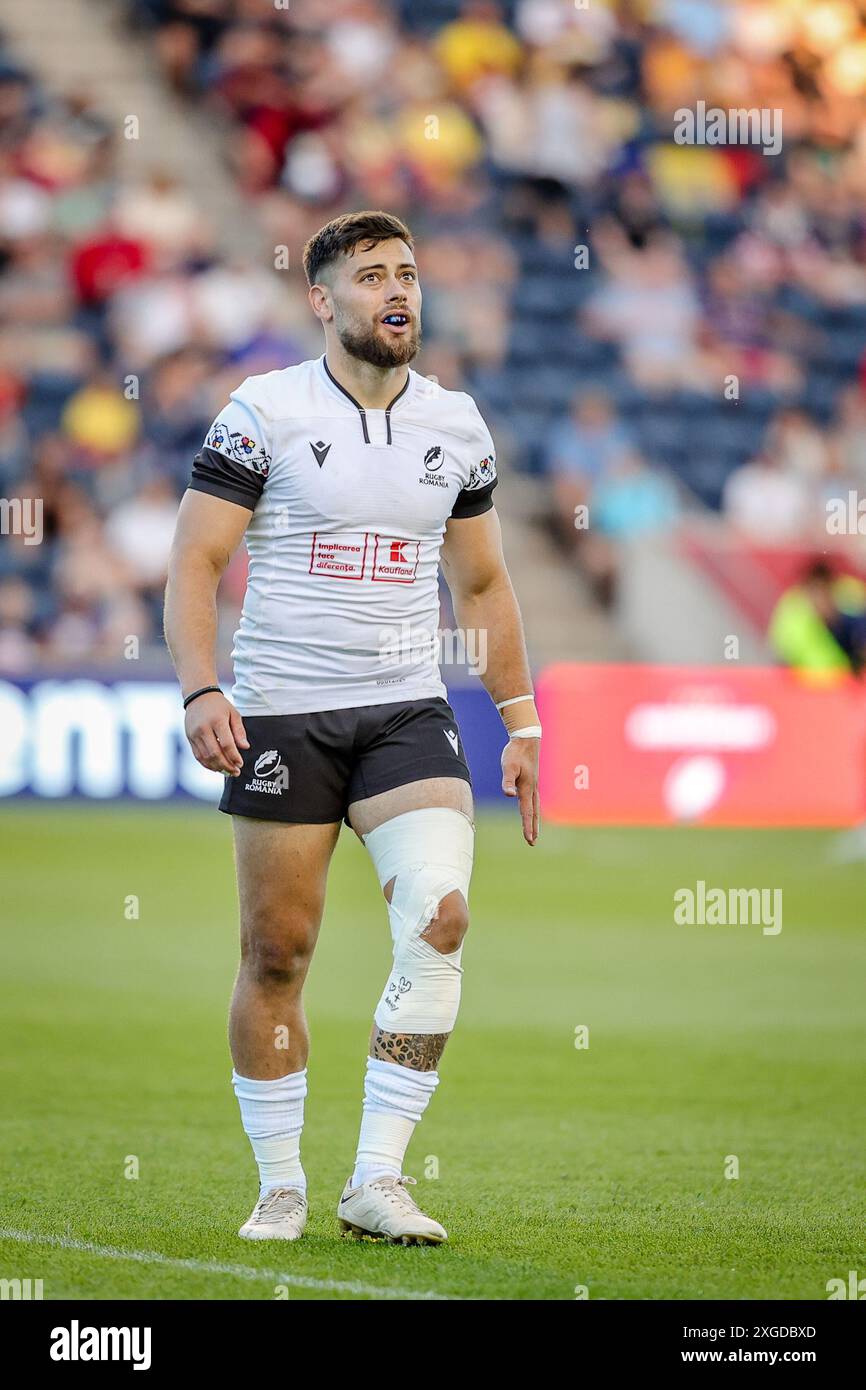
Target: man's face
{"points": [[377, 303]]}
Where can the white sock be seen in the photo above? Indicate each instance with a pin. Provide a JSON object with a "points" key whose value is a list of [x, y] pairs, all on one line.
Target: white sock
{"points": [[272, 1113], [395, 1098]]}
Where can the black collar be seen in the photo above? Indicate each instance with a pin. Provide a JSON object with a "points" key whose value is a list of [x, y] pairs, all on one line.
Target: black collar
{"points": [[361, 409]]}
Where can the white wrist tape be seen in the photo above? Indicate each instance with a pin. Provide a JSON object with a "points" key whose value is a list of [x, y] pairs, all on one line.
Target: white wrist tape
{"points": [[514, 701], [531, 731]]}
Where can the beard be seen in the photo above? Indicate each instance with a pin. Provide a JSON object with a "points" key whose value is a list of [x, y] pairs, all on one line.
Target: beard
{"points": [[369, 345]]}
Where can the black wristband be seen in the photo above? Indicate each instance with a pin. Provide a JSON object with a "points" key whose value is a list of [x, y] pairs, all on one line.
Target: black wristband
{"points": [[205, 690]]}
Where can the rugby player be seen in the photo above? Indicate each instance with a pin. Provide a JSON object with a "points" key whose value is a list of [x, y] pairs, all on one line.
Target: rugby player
{"points": [[351, 477]]}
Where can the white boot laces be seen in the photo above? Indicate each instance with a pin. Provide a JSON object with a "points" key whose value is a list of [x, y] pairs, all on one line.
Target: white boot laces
{"points": [[394, 1189], [277, 1204]]}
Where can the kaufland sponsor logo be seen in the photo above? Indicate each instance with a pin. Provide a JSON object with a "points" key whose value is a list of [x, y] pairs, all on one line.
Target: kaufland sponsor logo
{"points": [[395, 559]]}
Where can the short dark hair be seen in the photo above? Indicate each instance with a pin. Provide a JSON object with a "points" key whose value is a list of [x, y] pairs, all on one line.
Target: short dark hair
{"points": [[341, 235]]}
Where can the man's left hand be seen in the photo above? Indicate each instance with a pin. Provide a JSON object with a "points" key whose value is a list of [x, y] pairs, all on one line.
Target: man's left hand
{"points": [[520, 779]]}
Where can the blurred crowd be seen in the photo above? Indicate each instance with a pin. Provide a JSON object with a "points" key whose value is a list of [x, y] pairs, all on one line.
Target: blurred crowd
{"points": [[597, 285], [795, 492]]}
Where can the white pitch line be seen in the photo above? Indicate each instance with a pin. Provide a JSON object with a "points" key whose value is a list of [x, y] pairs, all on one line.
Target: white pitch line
{"points": [[153, 1257]]}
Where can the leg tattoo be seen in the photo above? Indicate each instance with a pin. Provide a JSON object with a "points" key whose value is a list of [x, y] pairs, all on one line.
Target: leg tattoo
{"points": [[421, 1051]]}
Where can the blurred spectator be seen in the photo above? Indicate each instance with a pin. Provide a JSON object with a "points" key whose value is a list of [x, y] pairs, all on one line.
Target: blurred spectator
{"points": [[477, 44], [819, 624], [161, 215], [848, 440], [800, 448], [101, 422], [547, 123], [650, 309], [631, 499], [767, 504], [742, 331], [179, 402], [18, 648], [104, 262], [34, 290], [628, 500], [140, 531], [464, 305], [186, 32], [581, 449], [13, 431]]}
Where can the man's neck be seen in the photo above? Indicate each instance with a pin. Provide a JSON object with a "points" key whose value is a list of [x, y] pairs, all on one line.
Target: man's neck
{"points": [[372, 387]]}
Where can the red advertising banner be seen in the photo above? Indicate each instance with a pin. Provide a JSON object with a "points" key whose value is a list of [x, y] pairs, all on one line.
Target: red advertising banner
{"points": [[659, 745]]}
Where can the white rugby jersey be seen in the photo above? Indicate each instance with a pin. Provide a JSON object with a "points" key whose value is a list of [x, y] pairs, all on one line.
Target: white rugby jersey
{"points": [[349, 512]]}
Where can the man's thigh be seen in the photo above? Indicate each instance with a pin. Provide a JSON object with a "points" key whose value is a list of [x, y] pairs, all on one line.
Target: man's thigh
{"points": [[372, 811], [282, 872]]}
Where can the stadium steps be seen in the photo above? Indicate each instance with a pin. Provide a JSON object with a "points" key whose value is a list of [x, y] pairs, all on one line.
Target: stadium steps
{"points": [[84, 46], [563, 621]]}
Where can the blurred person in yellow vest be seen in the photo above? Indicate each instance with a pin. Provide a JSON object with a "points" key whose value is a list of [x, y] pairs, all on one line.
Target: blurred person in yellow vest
{"points": [[819, 624], [477, 44], [101, 420]]}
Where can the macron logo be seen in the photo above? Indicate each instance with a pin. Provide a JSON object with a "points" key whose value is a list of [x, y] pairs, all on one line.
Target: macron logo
{"points": [[77, 1343], [451, 736]]}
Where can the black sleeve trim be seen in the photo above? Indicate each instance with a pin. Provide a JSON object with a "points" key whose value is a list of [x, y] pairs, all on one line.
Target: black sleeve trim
{"points": [[473, 501], [219, 476]]}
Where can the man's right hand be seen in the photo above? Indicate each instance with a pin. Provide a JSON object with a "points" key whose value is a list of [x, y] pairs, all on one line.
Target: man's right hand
{"points": [[216, 732]]}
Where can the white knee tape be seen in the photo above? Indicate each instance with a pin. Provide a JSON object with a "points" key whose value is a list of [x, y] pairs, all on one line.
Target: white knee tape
{"points": [[429, 854]]}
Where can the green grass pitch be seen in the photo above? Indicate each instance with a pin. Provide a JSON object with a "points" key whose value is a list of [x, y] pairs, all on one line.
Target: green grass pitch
{"points": [[552, 1167]]}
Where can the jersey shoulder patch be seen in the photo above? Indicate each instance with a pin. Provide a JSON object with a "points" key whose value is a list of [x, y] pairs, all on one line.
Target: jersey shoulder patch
{"points": [[479, 462], [479, 449], [238, 443], [482, 473], [242, 429]]}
